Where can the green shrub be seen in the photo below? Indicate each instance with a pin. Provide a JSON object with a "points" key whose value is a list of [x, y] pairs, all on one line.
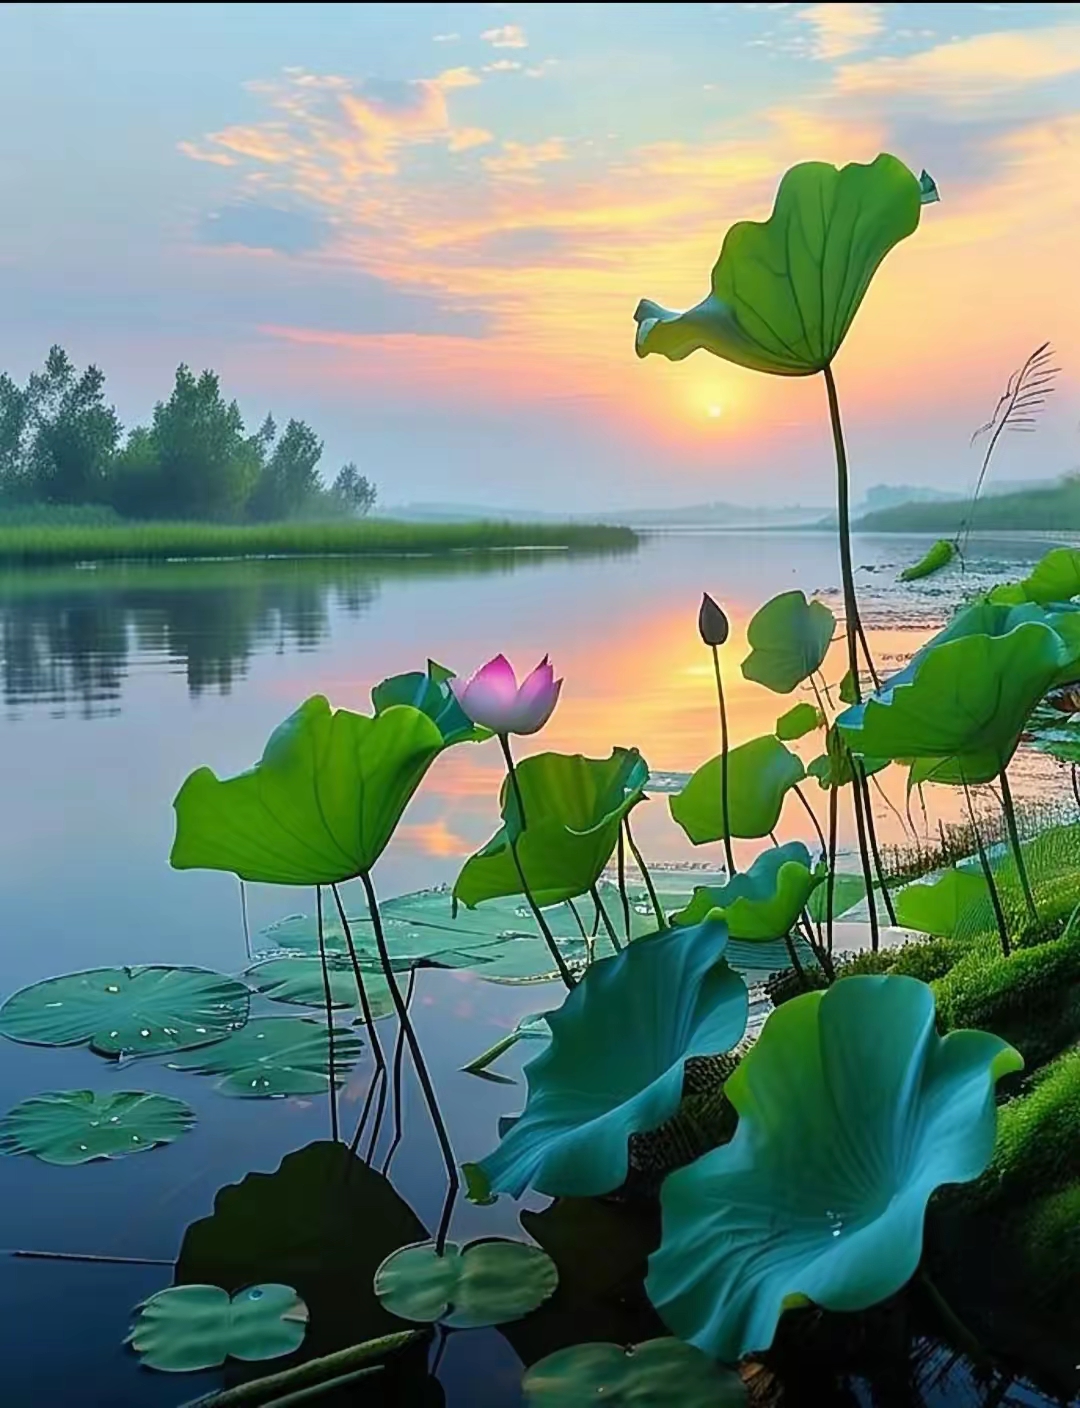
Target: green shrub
{"points": [[1038, 1141]]}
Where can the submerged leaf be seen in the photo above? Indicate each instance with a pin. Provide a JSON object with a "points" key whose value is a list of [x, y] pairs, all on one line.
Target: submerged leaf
{"points": [[485, 1283], [933, 560], [761, 903], [760, 774], [941, 906], [662, 1373], [74, 1126], [799, 720], [276, 1056], [185, 1328], [852, 1110], [789, 638]]}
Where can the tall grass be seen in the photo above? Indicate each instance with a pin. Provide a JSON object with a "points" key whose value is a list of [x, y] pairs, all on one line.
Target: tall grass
{"points": [[33, 544]]}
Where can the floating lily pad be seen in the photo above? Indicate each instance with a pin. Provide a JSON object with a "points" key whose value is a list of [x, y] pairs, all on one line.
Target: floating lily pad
{"points": [[75, 1126], [661, 1373], [485, 1283], [847, 892], [276, 1056], [760, 774], [299, 979], [789, 638], [128, 1011], [941, 906], [761, 903], [185, 1328], [799, 720]]}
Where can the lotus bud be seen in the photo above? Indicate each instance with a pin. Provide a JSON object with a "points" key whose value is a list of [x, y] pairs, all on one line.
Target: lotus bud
{"points": [[711, 622]]}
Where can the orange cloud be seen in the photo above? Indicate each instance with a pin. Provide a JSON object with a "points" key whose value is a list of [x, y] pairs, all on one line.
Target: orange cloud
{"points": [[464, 138], [841, 29], [521, 158]]}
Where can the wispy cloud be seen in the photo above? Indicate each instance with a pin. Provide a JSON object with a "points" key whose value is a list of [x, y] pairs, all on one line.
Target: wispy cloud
{"points": [[841, 29], [523, 158], [506, 36], [501, 66]]}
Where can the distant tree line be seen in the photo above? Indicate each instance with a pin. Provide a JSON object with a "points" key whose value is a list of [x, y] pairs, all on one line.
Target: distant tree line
{"points": [[62, 443]]}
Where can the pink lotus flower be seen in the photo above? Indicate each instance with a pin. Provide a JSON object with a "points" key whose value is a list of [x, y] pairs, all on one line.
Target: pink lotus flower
{"points": [[493, 699]]}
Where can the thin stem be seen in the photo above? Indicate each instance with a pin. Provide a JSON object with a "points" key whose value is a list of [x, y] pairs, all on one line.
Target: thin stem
{"points": [[866, 652], [1014, 840], [988, 875], [823, 960], [813, 817], [871, 832], [623, 895], [843, 514], [794, 956], [724, 750], [320, 1390], [864, 856], [580, 922], [1076, 785], [32, 1255], [373, 1037], [963, 1337], [335, 1132], [609, 928], [654, 899], [399, 1055], [831, 882], [538, 914], [244, 920], [453, 1180]]}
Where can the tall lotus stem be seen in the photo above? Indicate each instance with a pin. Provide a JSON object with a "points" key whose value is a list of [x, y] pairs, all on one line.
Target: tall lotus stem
{"points": [[380, 1077], [724, 751], [538, 914], [1014, 840], [864, 856], [871, 834], [623, 895], [609, 928], [988, 876], [335, 1132], [654, 898], [399, 1053], [831, 881]]}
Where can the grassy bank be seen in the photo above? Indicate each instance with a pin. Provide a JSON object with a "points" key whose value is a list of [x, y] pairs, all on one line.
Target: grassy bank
{"points": [[1038, 510], [26, 545]]}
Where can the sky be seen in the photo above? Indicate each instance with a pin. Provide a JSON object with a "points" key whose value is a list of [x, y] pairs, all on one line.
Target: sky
{"points": [[425, 228]]}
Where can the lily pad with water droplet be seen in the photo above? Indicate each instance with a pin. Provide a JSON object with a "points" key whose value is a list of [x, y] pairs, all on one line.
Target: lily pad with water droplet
{"points": [[298, 979], [276, 1056], [662, 1373], [128, 1011], [75, 1126], [485, 1283], [185, 1328]]}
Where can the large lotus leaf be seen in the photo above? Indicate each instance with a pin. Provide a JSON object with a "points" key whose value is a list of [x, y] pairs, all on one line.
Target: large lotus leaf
{"points": [[940, 906], [430, 692], [276, 1056], [128, 1011], [761, 903], [299, 979], [852, 1110], [788, 638], [1055, 577], [614, 1065], [784, 291], [322, 1222], [760, 774], [847, 892], [573, 809], [965, 704], [185, 1328], [662, 1373], [75, 1126], [799, 720], [486, 1283], [320, 805]]}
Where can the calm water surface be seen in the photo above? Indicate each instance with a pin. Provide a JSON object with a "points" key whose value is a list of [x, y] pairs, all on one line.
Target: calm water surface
{"points": [[117, 682]]}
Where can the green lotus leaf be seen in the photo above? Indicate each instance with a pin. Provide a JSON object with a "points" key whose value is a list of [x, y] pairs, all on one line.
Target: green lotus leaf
{"points": [[322, 1222], [185, 1328], [963, 708], [784, 291], [532, 1027], [320, 805], [799, 720], [127, 1011], [789, 638], [848, 891], [74, 1126], [760, 774], [852, 1110], [833, 767], [485, 1283], [940, 906], [573, 809], [430, 692], [276, 1056], [933, 560], [1055, 577], [299, 979], [761, 903], [662, 1373], [614, 1065]]}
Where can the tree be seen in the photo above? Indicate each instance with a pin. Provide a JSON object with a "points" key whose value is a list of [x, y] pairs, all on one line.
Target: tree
{"points": [[207, 465], [354, 491], [14, 425], [290, 479]]}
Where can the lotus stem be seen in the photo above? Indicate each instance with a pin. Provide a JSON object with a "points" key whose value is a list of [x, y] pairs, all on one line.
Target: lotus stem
{"points": [[623, 896], [32, 1255], [654, 899], [608, 926], [724, 751], [419, 1064], [380, 1076], [831, 881], [823, 960], [244, 920], [956, 1327], [871, 834], [399, 1060], [1076, 784], [335, 1132], [1014, 840], [988, 874], [314, 1391], [864, 856], [538, 914], [813, 817], [795, 963]]}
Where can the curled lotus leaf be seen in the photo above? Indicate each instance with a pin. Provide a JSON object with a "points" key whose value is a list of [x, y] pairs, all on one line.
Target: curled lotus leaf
{"points": [[799, 720], [429, 691], [760, 774], [852, 1111], [761, 903], [936, 557], [789, 638], [276, 1056], [785, 290], [662, 1373], [488, 1282], [185, 1328], [321, 804], [943, 905], [127, 1011], [614, 1064], [74, 1126], [1055, 577]]}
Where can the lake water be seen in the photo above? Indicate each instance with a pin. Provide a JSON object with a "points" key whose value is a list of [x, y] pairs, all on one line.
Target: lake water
{"points": [[117, 682]]}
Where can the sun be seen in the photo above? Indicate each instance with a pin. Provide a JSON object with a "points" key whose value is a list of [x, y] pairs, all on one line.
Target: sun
{"points": [[714, 412]]}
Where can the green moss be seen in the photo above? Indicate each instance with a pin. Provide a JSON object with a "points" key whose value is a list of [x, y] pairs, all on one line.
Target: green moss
{"points": [[1049, 1232], [1038, 1143]]}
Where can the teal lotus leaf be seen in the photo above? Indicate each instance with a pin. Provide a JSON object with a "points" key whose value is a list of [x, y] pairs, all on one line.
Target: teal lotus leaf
{"points": [[761, 903], [573, 809], [936, 557], [127, 1011], [789, 638], [430, 692], [847, 892], [799, 720], [75, 1126], [276, 1056], [321, 804], [185, 1328], [614, 1065], [662, 1373], [760, 774], [485, 1283], [961, 711], [784, 291], [852, 1111], [941, 906], [298, 979]]}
